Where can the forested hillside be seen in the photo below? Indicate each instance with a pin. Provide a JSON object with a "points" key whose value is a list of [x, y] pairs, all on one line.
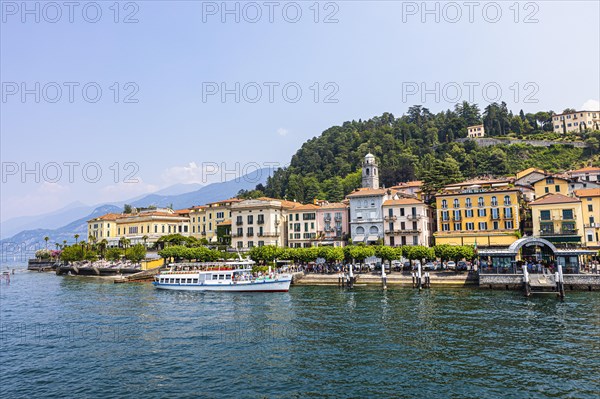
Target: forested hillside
{"points": [[422, 145]]}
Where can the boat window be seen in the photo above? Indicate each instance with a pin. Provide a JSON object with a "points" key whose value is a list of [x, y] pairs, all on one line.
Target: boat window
{"points": [[189, 280], [176, 281], [221, 277], [215, 277], [195, 281], [171, 280], [228, 277]]}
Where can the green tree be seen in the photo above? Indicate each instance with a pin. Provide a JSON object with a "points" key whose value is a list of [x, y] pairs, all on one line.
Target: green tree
{"points": [[113, 254], [136, 253]]}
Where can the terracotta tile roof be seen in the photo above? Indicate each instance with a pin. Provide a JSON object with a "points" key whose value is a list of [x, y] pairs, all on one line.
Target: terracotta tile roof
{"points": [[588, 192], [224, 201], [363, 192], [554, 199], [225, 222], [306, 207], [334, 205], [182, 211], [403, 201], [587, 169], [555, 176], [108, 216], [479, 181]]}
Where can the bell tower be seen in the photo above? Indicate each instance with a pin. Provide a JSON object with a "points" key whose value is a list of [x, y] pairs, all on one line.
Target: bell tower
{"points": [[370, 172]]}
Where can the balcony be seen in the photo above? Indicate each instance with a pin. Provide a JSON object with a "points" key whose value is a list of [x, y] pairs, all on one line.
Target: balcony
{"points": [[327, 218], [249, 234], [414, 217], [592, 225], [456, 219], [390, 218], [268, 235], [239, 222], [260, 221], [508, 217], [403, 232], [559, 233], [338, 218], [235, 235]]}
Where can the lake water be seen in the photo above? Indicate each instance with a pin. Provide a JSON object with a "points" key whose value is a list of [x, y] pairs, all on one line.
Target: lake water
{"points": [[80, 337]]}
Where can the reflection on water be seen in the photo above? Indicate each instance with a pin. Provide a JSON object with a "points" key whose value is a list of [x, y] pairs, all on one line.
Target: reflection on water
{"points": [[70, 336]]}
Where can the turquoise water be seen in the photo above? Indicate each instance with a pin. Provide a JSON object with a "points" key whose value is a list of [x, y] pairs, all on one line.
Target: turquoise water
{"points": [[77, 337]]}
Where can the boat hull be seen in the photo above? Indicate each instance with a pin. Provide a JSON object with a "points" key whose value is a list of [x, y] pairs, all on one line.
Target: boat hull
{"points": [[257, 286]]}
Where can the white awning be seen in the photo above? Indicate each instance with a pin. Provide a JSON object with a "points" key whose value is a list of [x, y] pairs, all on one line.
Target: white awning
{"points": [[373, 238], [358, 238]]}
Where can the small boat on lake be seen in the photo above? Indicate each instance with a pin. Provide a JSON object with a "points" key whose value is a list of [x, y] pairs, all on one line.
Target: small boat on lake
{"points": [[232, 276]]}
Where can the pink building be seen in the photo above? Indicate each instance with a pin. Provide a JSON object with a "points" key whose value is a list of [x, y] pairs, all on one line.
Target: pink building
{"points": [[333, 223]]}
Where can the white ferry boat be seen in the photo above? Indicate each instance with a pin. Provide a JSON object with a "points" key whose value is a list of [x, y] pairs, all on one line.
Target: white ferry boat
{"points": [[234, 276]]}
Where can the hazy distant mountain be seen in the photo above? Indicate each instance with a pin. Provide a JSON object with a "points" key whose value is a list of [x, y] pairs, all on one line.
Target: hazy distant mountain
{"points": [[22, 246], [52, 220], [33, 237], [209, 193], [180, 188]]}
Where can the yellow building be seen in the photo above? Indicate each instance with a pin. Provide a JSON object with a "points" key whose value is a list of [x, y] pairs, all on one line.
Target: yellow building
{"points": [[576, 121], [551, 185], [476, 131], [557, 218], [147, 226], [103, 227], [590, 207], [216, 213], [482, 212], [198, 221]]}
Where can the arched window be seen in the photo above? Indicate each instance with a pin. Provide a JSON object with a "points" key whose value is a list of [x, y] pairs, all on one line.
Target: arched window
{"points": [[444, 204], [468, 203], [367, 171], [480, 202], [360, 230], [506, 200], [373, 230], [494, 201], [456, 205]]}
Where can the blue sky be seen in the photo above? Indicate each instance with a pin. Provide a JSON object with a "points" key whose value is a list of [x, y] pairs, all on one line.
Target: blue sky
{"points": [[542, 56]]}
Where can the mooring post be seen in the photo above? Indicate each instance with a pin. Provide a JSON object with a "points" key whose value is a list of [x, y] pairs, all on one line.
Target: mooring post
{"points": [[526, 281], [419, 277], [561, 281], [413, 279], [383, 277]]}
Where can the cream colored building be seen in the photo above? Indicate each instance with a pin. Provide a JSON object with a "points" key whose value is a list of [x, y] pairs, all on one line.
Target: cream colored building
{"points": [[258, 222], [476, 131], [576, 121], [147, 226], [303, 227], [407, 221], [557, 218], [590, 207]]}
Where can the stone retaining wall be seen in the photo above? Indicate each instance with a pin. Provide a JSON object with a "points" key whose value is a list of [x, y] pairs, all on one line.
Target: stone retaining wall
{"points": [[586, 282]]}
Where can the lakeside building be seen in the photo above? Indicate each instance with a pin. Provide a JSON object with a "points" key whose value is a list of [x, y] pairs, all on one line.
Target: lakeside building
{"points": [[576, 121], [589, 174], [551, 184], [366, 218], [148, 225], [485, 213], [103, 227], [302, 226], [198, 221], [258, 222], [217, 213], [408, 221], [333, 223], [528, 176], [475, 131], [557, 218], [590, 209], [410, 188]]}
